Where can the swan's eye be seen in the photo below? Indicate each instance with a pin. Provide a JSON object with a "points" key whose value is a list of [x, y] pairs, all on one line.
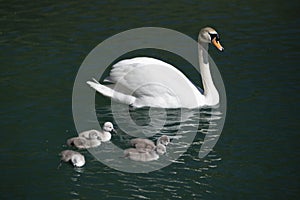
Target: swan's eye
{"points": [[213, 36]]}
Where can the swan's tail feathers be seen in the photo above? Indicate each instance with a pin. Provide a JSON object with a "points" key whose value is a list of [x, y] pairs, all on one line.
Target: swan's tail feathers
{"points": [[106, 91], [95, 81]]}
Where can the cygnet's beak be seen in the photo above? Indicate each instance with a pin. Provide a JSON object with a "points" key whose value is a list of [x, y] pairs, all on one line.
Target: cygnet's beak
{"points": [[217, 44], [114, 130]]}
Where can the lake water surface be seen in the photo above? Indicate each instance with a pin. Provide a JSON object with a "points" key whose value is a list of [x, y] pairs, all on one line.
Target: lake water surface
{"points": [[43, 45]]}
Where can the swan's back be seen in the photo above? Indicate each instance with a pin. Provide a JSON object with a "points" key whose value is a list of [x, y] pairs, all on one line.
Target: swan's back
{"points": [[121, 68], [130, 76]]}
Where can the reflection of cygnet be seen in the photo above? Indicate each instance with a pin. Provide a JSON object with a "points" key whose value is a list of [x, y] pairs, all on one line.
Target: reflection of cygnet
{"points": [[83, 143], [164, 140], [74, 157]]}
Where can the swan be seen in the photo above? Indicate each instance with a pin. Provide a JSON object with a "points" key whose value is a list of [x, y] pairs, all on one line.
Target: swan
{"points": [[103, 136], [137, 155], [77, 159], [83, 143], [144, 81]]}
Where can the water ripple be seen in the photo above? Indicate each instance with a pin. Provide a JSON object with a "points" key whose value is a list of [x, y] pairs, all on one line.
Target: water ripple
{"points": [[163, 182]]}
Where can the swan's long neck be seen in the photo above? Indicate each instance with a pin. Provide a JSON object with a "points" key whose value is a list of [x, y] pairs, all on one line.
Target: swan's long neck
{"points": [[210, 92]]}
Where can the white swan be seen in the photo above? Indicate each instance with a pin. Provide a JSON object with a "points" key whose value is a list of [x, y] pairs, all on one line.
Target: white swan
{"points": [[144, 81], [74, 157], [103, 136]]}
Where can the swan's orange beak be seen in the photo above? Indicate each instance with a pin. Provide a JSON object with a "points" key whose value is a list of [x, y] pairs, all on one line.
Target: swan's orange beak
{"points": [[217, 44]]}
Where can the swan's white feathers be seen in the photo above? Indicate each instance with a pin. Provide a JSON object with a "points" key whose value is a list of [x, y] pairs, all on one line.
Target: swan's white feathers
{"points": [[151, 82], [160, 90]]}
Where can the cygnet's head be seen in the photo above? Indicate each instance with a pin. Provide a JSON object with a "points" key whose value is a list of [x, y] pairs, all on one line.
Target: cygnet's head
{"points": [[210, 35], [161, 149], [164, 140], [108, 127], [78, 160]]}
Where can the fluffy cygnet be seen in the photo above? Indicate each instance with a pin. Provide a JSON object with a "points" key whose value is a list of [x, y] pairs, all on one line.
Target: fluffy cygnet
{"points": [[145, 156], [90, 134], [161, 149], [103, 135], [143, 145], [164, 140], [83, 143], [136, 155], [77, 159]]}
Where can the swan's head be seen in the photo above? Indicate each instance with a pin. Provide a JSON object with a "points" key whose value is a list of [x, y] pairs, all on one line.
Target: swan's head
{"points": [[210, 35], [108, 127]]}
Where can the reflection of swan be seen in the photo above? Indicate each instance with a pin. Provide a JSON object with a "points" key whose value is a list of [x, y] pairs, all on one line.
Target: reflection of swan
{"points": [[74, 157], [103, 135], [83, 143], [137, 155], [144, 81]]}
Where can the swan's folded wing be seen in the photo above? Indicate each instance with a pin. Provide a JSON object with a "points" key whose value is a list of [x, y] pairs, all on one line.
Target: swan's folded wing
{"points": [[149, 77]]}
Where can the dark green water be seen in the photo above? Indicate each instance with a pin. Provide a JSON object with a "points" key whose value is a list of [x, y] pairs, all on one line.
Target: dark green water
{"points": [[44, 43]]}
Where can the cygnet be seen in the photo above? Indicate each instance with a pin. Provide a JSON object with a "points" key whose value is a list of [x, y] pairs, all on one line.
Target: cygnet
{"points": [[142, 144], [136, 155], [161, 149], [164, 140], [90, 134], [77, 159], [83, 143], [145, 156], [105, 134]]}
